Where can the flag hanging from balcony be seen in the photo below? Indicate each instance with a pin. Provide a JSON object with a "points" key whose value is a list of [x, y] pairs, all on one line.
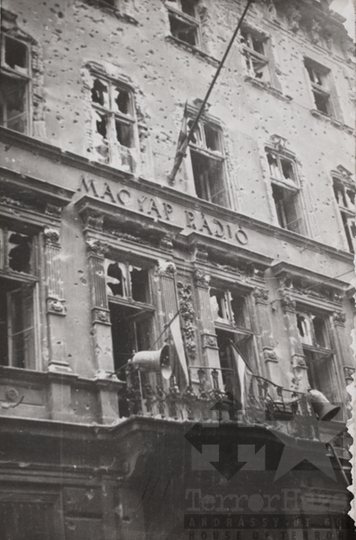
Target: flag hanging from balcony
{"points": [[179, 346], [244, 375]]}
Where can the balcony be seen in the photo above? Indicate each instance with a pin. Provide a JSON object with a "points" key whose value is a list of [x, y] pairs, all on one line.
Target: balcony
{"points": [[265, 404]]}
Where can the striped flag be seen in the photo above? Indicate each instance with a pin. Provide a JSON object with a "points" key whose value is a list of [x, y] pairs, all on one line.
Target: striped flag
{"points": [[245, 376], [179, 346]]}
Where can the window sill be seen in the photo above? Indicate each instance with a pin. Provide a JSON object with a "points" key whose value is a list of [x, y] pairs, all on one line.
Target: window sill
{"points": [[268, 88], [333, 121], [191, 48], [101, 4]]}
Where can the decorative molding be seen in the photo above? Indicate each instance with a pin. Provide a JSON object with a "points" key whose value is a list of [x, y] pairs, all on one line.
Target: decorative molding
{"points": [[51, 235], [167, 268], [187, 314], [12, 394], [278, 142], [268, 87], [349, 372], [97, 248], [209, 341], [288, 303], [101, 316], [270, 355], [339, 318], [56, 307], [53, 210], [201, 279], [298, 361], [166, 243], [261, 295]]}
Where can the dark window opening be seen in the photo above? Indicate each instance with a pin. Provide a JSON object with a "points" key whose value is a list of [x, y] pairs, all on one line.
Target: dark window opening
{"points": [[123, 133], [131, 332], [99, 93], [286, 208], [218, 304], [287, 169], [101, 128], [139, 284], [258, 68], [15, 54], [322, 102], [17, 333], [208, 178], [183, 31], [258, 45], [19, 252], [339, 194], [314, 76], [320, 332], [239, 311], [122, 100], [13, 103], [115, 280], [188, 7], [211, 138]]}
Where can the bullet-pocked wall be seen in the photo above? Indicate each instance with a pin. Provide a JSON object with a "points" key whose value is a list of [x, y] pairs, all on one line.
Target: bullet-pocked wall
{"points": [[132, 47]]}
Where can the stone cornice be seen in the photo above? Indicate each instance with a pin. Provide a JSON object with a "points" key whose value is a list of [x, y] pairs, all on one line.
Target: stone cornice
{"points": [[170, 194]]}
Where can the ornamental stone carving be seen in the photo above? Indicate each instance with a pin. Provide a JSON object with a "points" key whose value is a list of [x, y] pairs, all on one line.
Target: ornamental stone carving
{"points": [[56, 306], [209, 341], [261, 295], [51, 235], [201, 279], [339, 318], [166, 243], [279, 142], [269, 355], [294, 17], [187, 314], [101, 316], [167, 268], [288, 303], [97, 247]]}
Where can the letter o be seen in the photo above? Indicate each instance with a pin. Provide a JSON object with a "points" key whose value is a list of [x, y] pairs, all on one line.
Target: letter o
{"points": [[241, 237], [124, 197]]}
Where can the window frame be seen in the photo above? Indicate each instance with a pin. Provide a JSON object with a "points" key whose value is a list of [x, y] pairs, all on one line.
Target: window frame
{"points": [[114, 149], [347, 212], [11, 278], [23, 79], [251, 55], [291, 191], [216, 157], [193, 22], [314, 352], [139, 311], [228, 329], [322, 89]]}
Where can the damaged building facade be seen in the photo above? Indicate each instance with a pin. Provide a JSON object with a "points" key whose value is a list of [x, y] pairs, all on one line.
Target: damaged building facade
{"points": [[250, 249]]}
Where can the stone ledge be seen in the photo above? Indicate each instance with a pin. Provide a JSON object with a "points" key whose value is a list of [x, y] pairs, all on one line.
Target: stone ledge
{"points": [[268, 88], [197, 52], [331, 120]]}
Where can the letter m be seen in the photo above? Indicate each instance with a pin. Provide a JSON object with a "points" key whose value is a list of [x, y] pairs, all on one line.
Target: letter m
{"points": [[87, 186]]}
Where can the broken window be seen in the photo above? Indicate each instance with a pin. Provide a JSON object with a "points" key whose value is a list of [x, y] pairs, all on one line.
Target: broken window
{"points": [[17, 300], [130, 309], [285, 191], [345, 193], [232, 321], [208, 163], [314, 335], [183, 21], [113, 123], [15, 78], [229, 308], [255, 54], [320, 85]]}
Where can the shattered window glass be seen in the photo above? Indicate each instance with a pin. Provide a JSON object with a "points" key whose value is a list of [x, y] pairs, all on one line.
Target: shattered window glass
{"points": [[19, 252], [16, 55], [122, 102], [99, 93]]}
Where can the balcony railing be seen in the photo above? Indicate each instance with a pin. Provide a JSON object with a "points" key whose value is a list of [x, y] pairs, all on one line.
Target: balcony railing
{"points": [[214, 394]]}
